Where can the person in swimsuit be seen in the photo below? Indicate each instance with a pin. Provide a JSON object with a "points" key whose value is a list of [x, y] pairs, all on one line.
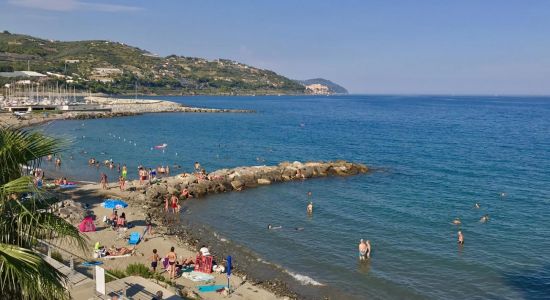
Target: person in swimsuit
{"points": [[484, 219], [363, 250], [460, 238], [103, 181], [154, 260], [172, 257], [175, 207], [310, 208], [166, 200], [185, 194], [197, 167], [124, 172], [121, 183]]}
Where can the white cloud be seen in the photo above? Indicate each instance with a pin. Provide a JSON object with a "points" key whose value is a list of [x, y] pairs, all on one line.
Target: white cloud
{"points": [[72, 5]]}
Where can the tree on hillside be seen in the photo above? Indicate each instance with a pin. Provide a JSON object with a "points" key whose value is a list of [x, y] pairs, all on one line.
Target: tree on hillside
{"points": [[23, 220]]}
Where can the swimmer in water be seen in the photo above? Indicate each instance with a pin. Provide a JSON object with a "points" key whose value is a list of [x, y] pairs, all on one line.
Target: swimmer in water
{"points": [[309, 208], [502, 194], [484, 219], [298, 228], [460, 238], [477, 205], [271, 227], [456, 221]]}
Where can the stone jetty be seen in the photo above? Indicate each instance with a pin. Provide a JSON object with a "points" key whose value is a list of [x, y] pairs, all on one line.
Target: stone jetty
{"points": [[236, 179], [140, 106]]}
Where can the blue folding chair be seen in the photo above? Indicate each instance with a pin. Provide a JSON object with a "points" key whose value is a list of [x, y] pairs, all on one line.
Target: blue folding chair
{"points": [[134, 238]]}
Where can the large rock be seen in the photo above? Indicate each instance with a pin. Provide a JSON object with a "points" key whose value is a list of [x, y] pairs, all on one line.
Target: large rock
{"points": [[263, 181], [237, 184]]}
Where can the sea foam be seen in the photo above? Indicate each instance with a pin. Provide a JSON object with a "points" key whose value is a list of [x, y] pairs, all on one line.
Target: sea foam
{"points": [[303, 279]]}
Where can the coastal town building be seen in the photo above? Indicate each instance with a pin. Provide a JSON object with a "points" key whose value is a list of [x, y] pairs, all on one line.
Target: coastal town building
{"points": [[317, 89]]}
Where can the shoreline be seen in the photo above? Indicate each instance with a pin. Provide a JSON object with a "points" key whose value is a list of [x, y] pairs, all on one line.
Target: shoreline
{"points": [[249, 267]]}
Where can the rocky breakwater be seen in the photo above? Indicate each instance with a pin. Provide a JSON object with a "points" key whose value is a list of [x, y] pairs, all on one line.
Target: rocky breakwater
{"points": [[153, 106], [237, 179]]}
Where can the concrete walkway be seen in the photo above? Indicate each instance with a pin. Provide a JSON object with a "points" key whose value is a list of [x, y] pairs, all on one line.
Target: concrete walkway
{"points": [[74, 278], [137, 288]]}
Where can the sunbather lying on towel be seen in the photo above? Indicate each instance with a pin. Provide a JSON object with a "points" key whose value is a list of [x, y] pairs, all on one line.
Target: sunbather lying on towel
{"points": [[113, 251]]}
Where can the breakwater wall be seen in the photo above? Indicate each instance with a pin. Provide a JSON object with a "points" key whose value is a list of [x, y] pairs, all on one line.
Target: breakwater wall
{"points": [[236, 179], [140, 106]]}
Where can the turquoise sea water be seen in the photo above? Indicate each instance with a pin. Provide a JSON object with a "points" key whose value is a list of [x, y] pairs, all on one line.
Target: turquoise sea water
{"points": [[433, 157]]}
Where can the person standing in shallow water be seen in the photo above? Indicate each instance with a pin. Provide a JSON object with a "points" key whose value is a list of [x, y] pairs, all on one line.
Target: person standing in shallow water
{"points": [[309, 208], [364, 250]]}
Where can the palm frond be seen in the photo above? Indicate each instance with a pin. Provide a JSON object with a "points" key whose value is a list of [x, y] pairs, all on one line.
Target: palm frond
{"points": [[26, 273]]}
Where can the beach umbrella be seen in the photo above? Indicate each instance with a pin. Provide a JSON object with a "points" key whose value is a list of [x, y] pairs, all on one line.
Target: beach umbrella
{"points": [[114, 204], [228, 270]]}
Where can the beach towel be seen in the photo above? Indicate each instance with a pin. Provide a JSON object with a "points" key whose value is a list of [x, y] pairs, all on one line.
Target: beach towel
{"points": [[116, 256], [210, 288], [134, 238], [91, 263], [67, 186], [197, 276]]}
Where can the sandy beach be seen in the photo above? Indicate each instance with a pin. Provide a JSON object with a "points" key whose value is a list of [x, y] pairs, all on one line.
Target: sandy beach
{"points": [[92, 195]]}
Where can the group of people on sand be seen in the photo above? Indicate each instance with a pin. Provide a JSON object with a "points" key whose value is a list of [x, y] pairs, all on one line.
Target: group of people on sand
{"points": [[116, 221], [175, 265], [61, 181]]}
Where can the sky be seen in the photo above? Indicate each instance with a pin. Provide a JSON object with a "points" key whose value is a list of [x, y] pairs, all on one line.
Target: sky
{"points": [[495, 47]]}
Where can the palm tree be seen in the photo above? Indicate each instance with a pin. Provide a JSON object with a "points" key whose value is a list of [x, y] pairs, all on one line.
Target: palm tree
{"points": [[24, 220]]}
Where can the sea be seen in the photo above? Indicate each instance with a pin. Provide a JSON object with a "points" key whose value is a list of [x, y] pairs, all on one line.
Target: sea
{"points": [[432, 158]]}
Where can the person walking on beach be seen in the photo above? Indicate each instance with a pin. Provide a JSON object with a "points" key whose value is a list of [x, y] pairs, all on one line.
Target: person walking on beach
{"points": [[121, 183], [103, 181], [154, 260], [460, 238], [149, 223], [172, 257]]}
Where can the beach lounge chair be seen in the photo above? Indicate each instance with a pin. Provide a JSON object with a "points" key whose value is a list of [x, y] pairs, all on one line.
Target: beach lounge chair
{"points": [[134, 238]]}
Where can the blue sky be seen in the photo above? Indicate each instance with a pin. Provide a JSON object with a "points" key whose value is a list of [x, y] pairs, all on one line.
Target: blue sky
{"points": [[386, 46]]}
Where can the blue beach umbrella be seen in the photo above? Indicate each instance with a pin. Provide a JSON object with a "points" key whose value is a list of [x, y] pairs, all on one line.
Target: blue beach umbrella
{"points": [[114, 204], [228, 269]]}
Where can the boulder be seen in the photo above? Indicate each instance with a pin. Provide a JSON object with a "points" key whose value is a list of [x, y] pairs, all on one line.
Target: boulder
{"points": [[237, 184], [263, 181]]}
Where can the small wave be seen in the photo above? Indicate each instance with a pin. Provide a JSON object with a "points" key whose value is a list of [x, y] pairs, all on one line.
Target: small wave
{"points": [[303, 279]]}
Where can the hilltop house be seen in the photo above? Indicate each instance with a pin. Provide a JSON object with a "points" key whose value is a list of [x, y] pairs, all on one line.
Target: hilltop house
{"points": [[105, 74]]}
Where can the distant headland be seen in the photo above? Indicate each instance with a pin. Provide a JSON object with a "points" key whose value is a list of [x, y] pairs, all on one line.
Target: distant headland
{"points": [[108, 67]]}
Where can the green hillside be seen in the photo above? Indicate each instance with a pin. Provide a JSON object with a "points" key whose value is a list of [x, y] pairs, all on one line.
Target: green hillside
{"points": [[136, 67]]}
